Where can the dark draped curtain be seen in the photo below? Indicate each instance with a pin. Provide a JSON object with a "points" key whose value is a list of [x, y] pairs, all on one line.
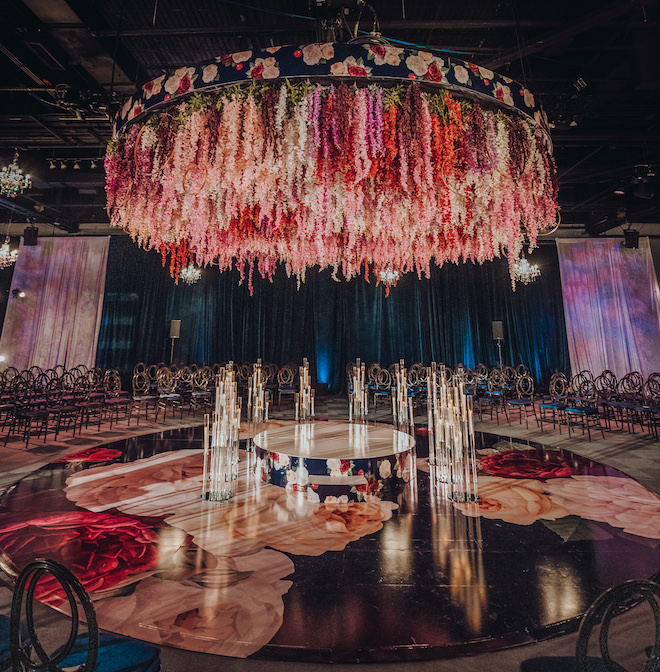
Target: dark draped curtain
{"points": [[445, 318]]}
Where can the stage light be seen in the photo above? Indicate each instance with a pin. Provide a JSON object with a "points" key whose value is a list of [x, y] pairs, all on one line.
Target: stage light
{"points": [[76, 166]]}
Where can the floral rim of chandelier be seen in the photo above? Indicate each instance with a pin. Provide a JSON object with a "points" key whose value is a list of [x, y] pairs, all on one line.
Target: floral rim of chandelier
{"points": [[332, 155], [7, 257], [12, 180], [190, 274], [525, 272]]}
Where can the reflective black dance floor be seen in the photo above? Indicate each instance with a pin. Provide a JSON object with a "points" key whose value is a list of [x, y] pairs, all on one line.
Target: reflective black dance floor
{"points": [[278, 573]]}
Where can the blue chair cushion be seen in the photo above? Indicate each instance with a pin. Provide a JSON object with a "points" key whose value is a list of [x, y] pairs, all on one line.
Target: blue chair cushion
{"points": [[116, 654]]}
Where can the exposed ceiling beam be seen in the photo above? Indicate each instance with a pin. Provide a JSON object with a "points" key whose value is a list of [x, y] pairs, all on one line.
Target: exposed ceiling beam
{"points": [[83, 48], [566, 31]]}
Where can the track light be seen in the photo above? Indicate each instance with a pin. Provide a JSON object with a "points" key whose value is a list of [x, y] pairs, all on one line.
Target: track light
{"points": [[63, 165], [76, 166], [92, 165], [52, 165]]}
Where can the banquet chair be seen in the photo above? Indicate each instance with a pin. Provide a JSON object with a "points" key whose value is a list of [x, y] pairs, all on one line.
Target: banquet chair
{"points": [[383, 387], [606, 388], [610, 604], [629, 394], [27, 410], [85, 648], [117, 401], [582, 405], [495, 397], [555, 403], [523, 402], [201, 396], [168, 397], [286, 382], [141, 399]]}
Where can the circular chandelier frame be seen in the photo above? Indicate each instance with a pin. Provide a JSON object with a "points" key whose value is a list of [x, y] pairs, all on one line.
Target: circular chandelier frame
{"points": [[344, 155]]}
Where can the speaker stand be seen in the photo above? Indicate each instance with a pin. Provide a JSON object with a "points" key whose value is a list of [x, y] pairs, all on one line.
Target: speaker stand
{"points": [[499, 350]]}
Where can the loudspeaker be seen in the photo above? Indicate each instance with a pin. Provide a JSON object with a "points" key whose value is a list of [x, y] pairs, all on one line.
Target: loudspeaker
{"points": [[631, 239], [30, 236], [498, 332], [175, 328]]}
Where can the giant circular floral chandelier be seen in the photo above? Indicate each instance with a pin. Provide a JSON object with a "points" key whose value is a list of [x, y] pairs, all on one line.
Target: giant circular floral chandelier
{"points": [[359, 157]]}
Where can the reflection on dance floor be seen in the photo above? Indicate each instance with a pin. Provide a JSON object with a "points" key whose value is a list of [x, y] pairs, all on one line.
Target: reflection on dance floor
{"points": [[278, 573]]}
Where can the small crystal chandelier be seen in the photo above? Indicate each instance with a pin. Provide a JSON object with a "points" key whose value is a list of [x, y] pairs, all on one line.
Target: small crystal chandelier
{"points": [[12, 180], [525, 272], [7, 256], [190, 274]]}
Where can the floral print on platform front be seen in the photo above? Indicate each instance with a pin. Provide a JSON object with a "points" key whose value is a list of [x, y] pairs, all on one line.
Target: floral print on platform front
{"points": [[335, 480]]}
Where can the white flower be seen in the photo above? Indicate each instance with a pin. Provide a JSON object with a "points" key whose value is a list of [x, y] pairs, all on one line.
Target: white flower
{"points": [[486, 73], [426, 56], [339, 69], [385, 469], [330, 499], [461, 74], [327, 51], [126, 108], [273, 50], [529, 98], [209, 73], [290, 476], [333, 464], [417, 65], [241, 56], [302, 476]]}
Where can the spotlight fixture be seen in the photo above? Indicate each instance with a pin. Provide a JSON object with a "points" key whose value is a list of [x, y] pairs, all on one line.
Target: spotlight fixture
{"points": [[52, 165], [92, 165], [18, 293], [63, 165], [619, 191], [76, 166]]}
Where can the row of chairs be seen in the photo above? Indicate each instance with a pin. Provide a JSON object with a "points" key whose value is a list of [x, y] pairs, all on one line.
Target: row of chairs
{"points": [[58, 399]]}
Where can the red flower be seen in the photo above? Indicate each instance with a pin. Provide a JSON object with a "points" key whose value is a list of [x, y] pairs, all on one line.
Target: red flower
{"points": [[137, 110], [474, 68], [356, 71], [92, 455], [499, 94], [370, 487], [275, 457], [411, 75], [527, 464], [239, 66], [148, 86], [297, 53], [434, 73], [184, 85], [102, 550], [487, 82], [167, 96], [345, 466], [257, 72], [226, 58], [378, 49]]}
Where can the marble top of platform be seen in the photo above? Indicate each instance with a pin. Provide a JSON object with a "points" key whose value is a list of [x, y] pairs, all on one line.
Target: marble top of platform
{"points": [[339, 440]]}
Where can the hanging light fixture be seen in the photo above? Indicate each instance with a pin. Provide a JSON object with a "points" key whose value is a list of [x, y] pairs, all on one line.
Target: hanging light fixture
{"points": [[8, 257], [12, 180], [525, 272], [350, 156], [190, 274]]}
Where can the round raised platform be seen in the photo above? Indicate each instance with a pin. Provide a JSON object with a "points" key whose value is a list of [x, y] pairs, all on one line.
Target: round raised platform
{"points": [[277, 573], [349, 461]]}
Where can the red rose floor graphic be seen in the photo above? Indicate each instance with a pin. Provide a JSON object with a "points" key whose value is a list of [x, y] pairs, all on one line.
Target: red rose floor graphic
{"points": [[295, 571]]}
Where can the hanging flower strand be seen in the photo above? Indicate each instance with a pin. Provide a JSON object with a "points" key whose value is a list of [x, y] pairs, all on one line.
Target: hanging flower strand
{"points": [[340, 176]]}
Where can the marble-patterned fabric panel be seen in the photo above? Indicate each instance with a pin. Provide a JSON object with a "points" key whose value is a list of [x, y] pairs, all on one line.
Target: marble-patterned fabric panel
{"points": [[612, 306], [58, 320]]}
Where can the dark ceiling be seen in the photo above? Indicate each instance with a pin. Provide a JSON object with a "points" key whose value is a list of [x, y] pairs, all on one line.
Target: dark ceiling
{"points": [[65, 66]]}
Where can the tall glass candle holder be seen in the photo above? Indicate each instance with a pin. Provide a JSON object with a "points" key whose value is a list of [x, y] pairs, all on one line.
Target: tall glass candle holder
{"points": [[402, 410], [358, 401], [304, 398], [221, 431], [451, 434], [257, 402]]}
